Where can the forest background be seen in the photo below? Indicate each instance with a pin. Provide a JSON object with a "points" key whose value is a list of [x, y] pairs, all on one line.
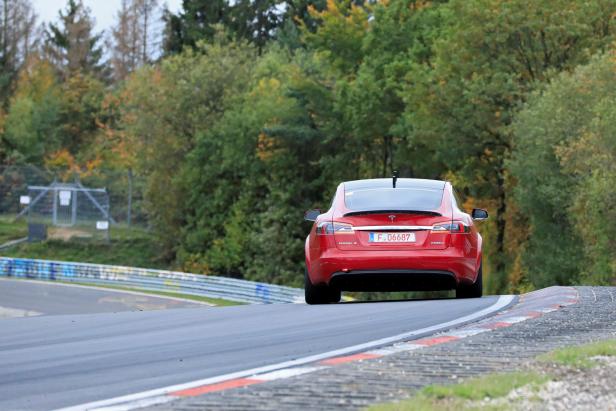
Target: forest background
{"points": [[240, 115]]}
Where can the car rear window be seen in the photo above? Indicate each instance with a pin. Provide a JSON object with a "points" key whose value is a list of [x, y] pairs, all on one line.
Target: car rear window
{"points": [[390, 199]]}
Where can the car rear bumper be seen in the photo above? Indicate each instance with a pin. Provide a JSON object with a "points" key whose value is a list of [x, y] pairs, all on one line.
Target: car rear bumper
{"points": [[393, 270]]}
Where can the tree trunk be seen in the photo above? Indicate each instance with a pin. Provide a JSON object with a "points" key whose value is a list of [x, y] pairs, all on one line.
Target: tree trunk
{"points": [[501, 224], [144, 53]]}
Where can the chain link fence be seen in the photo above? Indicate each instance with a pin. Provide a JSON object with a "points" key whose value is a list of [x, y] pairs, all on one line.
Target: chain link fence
{"points": [[66, 204]]}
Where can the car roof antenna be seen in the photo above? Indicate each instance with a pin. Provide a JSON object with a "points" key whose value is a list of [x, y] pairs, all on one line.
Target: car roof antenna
{"points": [[395, 177]]}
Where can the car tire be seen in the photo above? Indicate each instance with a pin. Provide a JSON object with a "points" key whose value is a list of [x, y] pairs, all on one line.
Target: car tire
{"points": [[318, 294], [474, 290], [334, 295]]}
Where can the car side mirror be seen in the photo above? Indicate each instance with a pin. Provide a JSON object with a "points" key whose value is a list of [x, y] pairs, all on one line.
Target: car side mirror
{"points": [[479, 214], [311, 215]]}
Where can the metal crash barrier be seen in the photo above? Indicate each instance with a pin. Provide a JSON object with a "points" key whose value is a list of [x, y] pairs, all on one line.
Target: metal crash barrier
{"points": [[147, 279]]}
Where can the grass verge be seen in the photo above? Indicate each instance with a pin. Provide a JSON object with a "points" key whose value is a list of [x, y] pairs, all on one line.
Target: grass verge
{"points": [[468, 394], [460, 396], [580, 356], [131, 247], [11, 230]]}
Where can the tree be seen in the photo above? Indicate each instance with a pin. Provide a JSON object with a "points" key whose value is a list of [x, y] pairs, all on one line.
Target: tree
{"points": [[131, 38], [491, 55], [258, 172], [125, 42], [256, 20], [166, 109], [563, 159], [399, 37], [196, 21], [253, 20], [32, 125], [17, 39], [145, 10], [71, 44], [342, 27]]}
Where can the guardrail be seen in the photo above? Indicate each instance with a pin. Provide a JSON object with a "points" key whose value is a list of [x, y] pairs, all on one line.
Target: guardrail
{"points": [[154, 280]]}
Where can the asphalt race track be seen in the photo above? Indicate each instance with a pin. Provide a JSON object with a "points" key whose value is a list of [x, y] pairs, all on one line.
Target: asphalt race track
{"points": [[40, 298], [55, 361]]}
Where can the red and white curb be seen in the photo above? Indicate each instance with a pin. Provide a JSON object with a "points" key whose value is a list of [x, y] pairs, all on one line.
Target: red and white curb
{"points": [[529, 306]]}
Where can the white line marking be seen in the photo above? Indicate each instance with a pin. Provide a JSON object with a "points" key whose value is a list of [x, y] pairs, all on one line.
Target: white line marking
{"points": [[128, 400], [286, 373], [514, 320], [467, 333], [396, 349], [8, 312]]}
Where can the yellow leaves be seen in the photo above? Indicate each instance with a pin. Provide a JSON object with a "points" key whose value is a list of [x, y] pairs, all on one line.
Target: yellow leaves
{"points": [[267, 86], [35, 79], [63, 160], [91, 166], [340, 33], [195, 263], [67, 166], [419, 5], [265, 147], [312, 11], [332, 8]]}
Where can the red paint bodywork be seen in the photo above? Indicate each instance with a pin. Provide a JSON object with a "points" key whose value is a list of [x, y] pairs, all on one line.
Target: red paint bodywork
{"points": [[459, 253]]}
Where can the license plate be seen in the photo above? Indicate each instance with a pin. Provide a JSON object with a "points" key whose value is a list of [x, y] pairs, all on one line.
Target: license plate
{"points": [[392, 238]]}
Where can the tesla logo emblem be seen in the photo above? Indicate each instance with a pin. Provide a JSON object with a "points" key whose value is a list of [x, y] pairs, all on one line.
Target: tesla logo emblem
{"points": [[392, 218]]}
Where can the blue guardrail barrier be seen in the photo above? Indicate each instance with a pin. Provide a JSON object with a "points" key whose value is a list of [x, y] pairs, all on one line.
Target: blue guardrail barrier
{"points": [[147, 279]]}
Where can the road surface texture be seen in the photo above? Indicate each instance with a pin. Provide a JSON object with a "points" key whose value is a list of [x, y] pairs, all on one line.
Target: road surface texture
{"points": [[57, 361], [19, 298], [358, 384]]}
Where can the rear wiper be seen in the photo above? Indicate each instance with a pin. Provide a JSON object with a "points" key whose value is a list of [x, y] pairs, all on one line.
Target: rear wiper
{"points": [[420, 212]]}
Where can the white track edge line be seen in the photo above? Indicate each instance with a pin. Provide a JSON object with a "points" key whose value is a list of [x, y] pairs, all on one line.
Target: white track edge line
{"points": [[502, 302]]}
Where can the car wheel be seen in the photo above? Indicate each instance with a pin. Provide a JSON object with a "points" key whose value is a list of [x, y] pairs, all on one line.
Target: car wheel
{"points": [[474, 290], [317, 294], [334, 295]]}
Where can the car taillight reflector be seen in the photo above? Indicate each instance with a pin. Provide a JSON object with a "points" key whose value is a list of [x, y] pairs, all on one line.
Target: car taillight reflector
{"points": [[455, 227], [328, 228]]}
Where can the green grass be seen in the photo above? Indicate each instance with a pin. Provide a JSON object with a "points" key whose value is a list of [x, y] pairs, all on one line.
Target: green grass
{"points": [[458, 396], [580, 357], [491, 386], [215, 301], [10, 230], [132, 247]]}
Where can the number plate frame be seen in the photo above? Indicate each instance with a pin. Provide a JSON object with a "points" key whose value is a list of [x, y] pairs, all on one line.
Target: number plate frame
{"points": [[391, 238]]}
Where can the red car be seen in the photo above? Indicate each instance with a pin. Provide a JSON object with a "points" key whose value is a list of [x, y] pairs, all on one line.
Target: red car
{"points": [[398, 234]]}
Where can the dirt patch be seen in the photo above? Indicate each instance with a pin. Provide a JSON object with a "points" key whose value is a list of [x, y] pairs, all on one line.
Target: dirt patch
{"points": [[67, 233]]}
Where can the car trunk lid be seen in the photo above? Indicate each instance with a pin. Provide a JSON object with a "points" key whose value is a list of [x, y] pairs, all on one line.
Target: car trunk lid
{"points": [[392, 231]]}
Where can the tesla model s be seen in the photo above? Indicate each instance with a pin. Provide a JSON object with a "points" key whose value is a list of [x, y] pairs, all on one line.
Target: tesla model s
{"points": [[397, 234]]}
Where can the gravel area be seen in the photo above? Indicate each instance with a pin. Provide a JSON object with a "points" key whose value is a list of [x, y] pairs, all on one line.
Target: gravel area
{"points": [[356, 385], [571, 389]]}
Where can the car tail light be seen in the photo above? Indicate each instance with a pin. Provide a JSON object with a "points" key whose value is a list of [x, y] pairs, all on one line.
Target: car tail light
{"points": [[455, 227], [328, 228]]}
